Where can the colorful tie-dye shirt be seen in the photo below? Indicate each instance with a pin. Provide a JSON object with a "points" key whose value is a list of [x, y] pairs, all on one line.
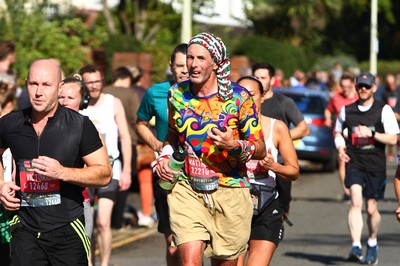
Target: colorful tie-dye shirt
{"points": [[192, 116]]}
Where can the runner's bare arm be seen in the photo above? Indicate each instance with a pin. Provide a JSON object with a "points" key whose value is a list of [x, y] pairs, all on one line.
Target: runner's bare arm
{"points": [[96, 173], [300, 131], [126, 144], [142, 129], [289, 169], [162, 169]]}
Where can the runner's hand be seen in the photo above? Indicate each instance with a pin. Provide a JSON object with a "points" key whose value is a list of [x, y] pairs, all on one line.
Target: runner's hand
{"points": [[268, 161], [125, 181], [8, 198], [49, 167], [222, 138], [162, 169]]}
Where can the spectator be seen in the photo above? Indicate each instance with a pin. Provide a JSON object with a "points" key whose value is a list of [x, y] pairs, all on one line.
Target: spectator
{"points": [[108, 115], [50, 140], [279, 78], [371, 125], [313, 82], [379, 93], [337, 72], [333, 85], [7, 59], [137, 74], [216, 122], [154, 104], [298, 80], [266, 225]]}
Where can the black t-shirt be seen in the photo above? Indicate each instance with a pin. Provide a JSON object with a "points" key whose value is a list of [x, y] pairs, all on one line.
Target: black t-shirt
{"points": [[282, 108], [67, 137], [366, 154]]}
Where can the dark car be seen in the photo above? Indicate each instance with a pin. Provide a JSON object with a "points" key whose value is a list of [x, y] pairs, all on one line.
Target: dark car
{"points": [[319, 145]]}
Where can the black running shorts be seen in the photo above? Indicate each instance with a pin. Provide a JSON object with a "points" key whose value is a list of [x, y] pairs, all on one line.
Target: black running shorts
{"points": [[268, 225], [68, 245]]}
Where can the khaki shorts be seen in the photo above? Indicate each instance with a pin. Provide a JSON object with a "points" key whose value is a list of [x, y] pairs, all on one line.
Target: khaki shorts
{"points": [[221, 218]]}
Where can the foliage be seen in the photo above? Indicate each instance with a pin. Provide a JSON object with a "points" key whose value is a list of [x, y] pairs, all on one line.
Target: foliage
{"points": [[38, 37], [328, 26], [278, 53], [384, 67], [119, 43], [144, 18], [161, 56], [300, 22], [350, 33]]}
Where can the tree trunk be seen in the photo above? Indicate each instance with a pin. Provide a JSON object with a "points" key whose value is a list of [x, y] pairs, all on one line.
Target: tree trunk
{"points": [[108, 17]]}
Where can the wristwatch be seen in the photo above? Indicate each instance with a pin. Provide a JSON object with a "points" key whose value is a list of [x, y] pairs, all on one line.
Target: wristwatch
{"points": [[372, 133]]}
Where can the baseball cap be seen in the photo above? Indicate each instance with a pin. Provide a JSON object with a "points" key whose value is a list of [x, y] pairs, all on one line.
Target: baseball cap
{"points": [[365, 78]]}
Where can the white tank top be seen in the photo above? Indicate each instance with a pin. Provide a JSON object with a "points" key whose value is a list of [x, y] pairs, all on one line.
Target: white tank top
{"points": [[103, 118], [269, 144]]}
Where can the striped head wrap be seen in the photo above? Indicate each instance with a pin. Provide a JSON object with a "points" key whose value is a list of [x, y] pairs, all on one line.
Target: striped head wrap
{"points": [[219, 54]]}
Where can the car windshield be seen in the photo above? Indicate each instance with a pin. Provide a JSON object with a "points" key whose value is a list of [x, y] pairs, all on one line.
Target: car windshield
{"points": [[308, 104]]}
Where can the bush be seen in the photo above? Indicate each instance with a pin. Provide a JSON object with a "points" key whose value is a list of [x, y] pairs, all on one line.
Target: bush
{"points": [[37, 36], [384, 67], [278, 53]]}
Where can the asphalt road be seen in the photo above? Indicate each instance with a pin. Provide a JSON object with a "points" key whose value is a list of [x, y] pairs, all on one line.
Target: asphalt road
{"points": [[319, 235]]}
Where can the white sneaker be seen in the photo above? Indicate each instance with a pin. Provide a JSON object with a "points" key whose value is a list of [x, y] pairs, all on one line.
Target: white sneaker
{"points": [[146, 221]]}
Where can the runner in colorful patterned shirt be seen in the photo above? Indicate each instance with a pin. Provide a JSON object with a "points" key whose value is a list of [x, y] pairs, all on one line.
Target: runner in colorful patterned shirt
{"points": [[216, 122]]}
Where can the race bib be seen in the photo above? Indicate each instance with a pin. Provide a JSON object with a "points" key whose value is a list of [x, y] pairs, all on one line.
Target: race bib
{"points": [[361, 142], [37, 190], [201, 177], [195, 167]]}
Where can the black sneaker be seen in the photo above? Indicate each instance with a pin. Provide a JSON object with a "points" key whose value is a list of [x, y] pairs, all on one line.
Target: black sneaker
{"points": [[355, 254], [371, 258]]}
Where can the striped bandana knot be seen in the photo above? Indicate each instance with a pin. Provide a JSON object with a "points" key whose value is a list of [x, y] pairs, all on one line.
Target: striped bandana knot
{"points": [[218, 52]]}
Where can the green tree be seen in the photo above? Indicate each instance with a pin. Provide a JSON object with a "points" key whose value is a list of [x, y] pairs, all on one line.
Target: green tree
{"points": [[299, 21], [37, 36], [350, 33]]}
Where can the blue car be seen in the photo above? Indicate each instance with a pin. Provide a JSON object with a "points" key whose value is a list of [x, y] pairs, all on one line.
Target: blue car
{"points": [[319, 145]]}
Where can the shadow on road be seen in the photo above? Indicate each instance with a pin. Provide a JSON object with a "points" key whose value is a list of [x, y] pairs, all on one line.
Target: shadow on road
{"points": [[324, 259]]}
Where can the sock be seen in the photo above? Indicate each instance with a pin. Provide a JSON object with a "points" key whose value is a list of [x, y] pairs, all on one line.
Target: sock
{"points": [[372, 242], [356, 244]]}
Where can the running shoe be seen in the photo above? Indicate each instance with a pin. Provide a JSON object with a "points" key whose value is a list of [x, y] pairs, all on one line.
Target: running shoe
{"points": [[371, 258], [355, 254], [145, 221]]}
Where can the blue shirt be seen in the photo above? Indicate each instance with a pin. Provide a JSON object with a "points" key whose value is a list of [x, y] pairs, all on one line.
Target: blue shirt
{"points": [[154, 103]]}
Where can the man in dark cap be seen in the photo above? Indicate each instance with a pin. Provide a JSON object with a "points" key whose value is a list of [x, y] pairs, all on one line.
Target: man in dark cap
{"points": [[216, 122], [371, 125]]}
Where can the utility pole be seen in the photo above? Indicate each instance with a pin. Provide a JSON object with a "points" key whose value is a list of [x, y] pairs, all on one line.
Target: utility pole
{"points": [[186, 23], [374, 42]]}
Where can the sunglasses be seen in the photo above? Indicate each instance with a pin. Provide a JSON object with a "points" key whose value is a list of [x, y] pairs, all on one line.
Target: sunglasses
{"points": [[363, 86]]}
